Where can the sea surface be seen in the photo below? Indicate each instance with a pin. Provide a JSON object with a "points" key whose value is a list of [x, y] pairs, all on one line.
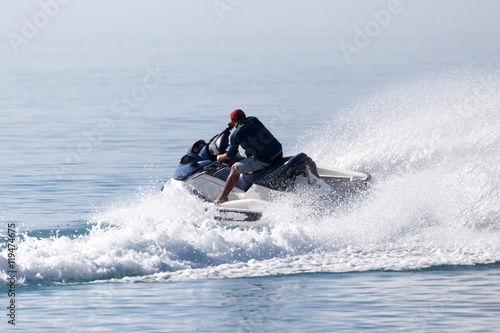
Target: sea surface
{"points": [[91, 131]]}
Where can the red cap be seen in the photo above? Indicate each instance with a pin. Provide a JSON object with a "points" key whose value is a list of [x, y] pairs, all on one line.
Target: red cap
{"points": [[237, 114]]}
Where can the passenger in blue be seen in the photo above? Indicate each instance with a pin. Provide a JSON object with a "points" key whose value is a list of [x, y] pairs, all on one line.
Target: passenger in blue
{"points": [[260, 145]]}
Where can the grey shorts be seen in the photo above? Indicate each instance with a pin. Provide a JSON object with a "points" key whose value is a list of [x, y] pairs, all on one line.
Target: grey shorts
{"points": [[250, 164]]}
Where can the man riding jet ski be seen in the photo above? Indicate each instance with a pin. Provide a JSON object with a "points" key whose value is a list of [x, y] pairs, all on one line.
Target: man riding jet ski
{"points": [[261, 147], [246, 186]]}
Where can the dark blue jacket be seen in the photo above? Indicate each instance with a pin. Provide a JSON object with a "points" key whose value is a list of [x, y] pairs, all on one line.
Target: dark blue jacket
{"points": [[255, 138]]}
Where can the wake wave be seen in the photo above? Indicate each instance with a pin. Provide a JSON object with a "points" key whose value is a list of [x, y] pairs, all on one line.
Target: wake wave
{"points": [[431, 146]]}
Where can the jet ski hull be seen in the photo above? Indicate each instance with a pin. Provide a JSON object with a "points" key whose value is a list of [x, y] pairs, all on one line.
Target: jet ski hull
{"points": [[202, 175]]}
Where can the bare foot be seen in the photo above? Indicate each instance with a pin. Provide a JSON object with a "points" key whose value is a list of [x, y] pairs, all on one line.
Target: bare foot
{"points": [[221, 199]]}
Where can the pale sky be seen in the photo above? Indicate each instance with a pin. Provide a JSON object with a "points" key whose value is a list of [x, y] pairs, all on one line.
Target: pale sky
{"points": [[109, 18]]}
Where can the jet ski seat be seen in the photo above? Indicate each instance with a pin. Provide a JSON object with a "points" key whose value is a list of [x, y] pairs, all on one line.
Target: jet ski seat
{"points": [[279, 175], [285, 171]]}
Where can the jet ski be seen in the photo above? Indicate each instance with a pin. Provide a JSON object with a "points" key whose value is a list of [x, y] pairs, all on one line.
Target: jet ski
{"points": [[200, 173]]}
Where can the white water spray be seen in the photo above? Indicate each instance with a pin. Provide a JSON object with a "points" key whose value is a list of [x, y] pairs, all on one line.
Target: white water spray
{"points": [[432, 147]]}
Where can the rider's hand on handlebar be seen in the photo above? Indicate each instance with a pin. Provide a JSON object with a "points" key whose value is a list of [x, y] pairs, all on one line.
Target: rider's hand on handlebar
{"points": [[221, 158]]}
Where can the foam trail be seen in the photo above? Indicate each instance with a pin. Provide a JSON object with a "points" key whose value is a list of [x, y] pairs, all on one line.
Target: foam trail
{"points": [[432, 147]]}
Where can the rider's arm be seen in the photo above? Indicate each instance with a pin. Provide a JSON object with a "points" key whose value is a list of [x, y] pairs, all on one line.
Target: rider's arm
{"points": [[233, 146], [222, 157]]}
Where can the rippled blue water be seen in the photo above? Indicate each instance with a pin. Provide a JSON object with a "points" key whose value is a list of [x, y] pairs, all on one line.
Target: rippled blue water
{"points": [[101, 250], [444, 301]]}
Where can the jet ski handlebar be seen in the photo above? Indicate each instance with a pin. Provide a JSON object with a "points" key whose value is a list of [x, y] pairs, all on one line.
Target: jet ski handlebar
{"points": [[219, 143]]}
